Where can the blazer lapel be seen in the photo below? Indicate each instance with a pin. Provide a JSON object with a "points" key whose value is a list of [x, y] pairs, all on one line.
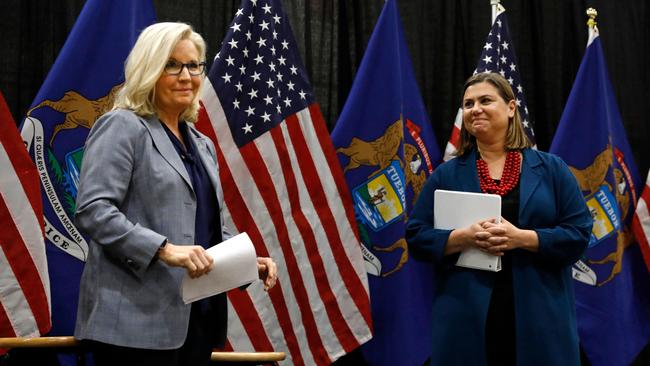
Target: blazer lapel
{"points": [[166, 149], [468, 177], [530, 178], [208, 161]]}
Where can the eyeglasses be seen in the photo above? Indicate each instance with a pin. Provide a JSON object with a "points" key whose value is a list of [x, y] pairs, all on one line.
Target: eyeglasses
{"points": [[175, 68]]}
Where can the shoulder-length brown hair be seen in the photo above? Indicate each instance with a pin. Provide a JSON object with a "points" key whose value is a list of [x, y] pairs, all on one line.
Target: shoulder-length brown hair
{"points": [[516, 138]]}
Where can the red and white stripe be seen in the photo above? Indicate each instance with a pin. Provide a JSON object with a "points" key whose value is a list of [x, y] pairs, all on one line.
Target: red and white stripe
{"points": [[454, 139], [286, 190], [641, 222], [24, 281]]}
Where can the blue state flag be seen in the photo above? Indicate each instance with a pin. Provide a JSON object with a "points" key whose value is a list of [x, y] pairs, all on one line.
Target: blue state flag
{"points": [[611, 283], [79, 88], [387, 148]]}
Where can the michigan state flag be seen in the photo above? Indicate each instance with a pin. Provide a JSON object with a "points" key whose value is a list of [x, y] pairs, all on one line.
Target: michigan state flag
{"points": [[386, 146], [79, 88], [611, 283]]}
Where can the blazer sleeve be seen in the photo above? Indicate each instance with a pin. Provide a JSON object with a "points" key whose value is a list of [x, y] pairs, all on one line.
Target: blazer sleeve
{"points": [[225, 233], [566, 241], [425, 242], [107, 168]]}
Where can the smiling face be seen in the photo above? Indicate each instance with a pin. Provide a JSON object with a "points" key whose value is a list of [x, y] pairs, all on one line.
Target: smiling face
{"points": [[486, 114], [175, 93]]}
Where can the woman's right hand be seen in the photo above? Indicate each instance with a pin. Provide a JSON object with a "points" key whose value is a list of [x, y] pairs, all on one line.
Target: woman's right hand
{"points": [[193, 258]]}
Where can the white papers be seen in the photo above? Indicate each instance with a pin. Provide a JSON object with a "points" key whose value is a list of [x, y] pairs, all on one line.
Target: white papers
{"points": [[454, 209], [235, 265]]}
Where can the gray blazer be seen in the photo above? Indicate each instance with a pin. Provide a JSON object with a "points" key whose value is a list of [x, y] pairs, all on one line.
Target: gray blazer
{"points": [[134, 193]]}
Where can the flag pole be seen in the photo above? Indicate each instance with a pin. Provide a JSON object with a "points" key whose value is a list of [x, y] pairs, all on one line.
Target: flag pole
{"points": [[495, 8]]}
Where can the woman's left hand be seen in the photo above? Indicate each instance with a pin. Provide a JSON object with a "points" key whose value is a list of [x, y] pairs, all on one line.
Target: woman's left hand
{"points": [[268, 272], [506, 236]]}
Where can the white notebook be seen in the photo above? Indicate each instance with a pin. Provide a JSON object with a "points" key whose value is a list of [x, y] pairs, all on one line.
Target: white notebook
{"points": [[455, 209]]}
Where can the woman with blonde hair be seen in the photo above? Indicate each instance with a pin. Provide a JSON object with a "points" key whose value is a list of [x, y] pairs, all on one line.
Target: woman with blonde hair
{"points": [[150, 201], [525, 313]]}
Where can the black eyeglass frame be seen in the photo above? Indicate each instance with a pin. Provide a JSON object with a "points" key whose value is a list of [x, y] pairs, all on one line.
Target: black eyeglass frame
{"points": [[201, 66]]}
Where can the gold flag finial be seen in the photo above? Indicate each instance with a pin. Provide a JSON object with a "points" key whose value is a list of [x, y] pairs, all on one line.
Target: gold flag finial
{"points": [[592, 14]]}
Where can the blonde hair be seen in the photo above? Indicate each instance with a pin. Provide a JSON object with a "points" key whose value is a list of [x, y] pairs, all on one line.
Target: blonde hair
{"points": [[146, 63], [516, 138]]}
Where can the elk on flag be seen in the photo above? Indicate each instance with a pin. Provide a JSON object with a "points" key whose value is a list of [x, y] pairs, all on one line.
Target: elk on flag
{"points": [[284, 187], [498, 55], [612, 285]]}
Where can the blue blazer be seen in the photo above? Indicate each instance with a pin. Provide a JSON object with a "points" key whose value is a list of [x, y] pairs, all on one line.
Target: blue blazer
{"points": [[134, 193], [551, 204]]}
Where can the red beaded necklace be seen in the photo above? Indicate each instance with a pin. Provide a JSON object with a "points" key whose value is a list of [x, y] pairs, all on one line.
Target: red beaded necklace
{"points": [[509, 177]]}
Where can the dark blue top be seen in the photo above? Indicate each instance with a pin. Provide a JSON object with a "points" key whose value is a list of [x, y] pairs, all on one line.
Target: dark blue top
{"points": [[207, 228]]}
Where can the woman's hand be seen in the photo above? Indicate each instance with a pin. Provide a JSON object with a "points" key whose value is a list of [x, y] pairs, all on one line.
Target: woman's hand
{"points": [[193, 258], [473, 236], [505, 236], [268, 272]]}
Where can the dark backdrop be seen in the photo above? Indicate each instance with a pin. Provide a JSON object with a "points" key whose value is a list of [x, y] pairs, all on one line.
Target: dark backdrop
{"points": [[445, 39]]}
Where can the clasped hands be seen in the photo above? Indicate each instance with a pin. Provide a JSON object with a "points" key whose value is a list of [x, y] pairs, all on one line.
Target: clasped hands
{"points": [[494, 238], [197, 262]]}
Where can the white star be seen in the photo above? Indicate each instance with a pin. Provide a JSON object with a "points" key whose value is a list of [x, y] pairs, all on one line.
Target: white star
{"points": [[526, 110], [247, 128], [277, 107], [261, 42], [276, 18], [294, 70], [240, 12], [233, 44], [253, 93], [270, 83], [266, 117], [264, 25], [218, 55], [272, 66], [302, 94], [235, 104], [268, 100], [285, 44], [258, 59], [282, 60], [520, 88], [254, 2], [230, 61], [272, 50], [255, 76], [518, 102], [250, 111], [503, 73], [226, 78], [525, 123], [513, 67], [245, 51], [235, 27], [287, 102], [504, 45], [238, 86], [487, 59], [279, 93], [290, 85], [275, 34], [499, 36], [504, 59], [251, 18], [279, 76], [248, 35], [267, 9], [488, 46], [510, 81], [499, 23], [242, 68]]}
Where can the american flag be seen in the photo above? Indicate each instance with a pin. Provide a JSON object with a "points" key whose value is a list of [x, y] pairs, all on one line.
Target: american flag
{"points": [[24, 282], [498, 55], [641, 222], [284, 187]]}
